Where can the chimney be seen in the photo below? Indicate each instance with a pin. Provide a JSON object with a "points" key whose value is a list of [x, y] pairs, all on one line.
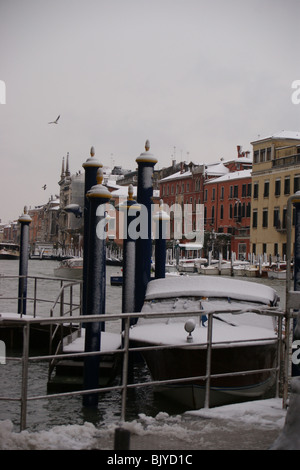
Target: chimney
{"points": [[239, 150]]}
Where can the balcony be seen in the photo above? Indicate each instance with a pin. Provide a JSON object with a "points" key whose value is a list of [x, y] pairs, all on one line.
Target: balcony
{"points": [[287, 161]]}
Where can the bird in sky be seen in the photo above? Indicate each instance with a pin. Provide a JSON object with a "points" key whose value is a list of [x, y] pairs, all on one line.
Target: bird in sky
{"points": [[44, 187], [56, 120]]}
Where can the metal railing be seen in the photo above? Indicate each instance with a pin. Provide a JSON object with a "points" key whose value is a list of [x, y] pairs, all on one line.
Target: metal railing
{"points": [[125, 349], [35, 301]]}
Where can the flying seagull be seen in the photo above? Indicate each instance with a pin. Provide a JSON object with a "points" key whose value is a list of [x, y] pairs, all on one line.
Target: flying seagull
{"points": [[56, 120], [44, 187]]}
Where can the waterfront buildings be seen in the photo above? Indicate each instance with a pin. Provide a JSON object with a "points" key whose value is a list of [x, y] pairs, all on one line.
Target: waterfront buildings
{"points": [[275, 176], [244, 200]]}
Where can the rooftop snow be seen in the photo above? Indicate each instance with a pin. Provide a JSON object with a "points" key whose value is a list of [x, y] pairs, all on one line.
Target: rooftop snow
{"points": [[232, 176], [281, 135]]}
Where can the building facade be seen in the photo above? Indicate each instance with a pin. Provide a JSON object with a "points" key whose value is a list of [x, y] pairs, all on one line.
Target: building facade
{"points": [[275, 176]]}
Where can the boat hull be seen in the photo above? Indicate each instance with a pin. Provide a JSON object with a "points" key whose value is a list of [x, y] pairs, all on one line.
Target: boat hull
{"points": [[179, 363]]}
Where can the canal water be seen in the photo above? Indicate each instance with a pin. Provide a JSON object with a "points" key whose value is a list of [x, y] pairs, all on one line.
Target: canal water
{"points": [[45, 414]]}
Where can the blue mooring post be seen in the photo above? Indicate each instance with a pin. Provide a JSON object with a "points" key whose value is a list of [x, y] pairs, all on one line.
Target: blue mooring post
{"points": [[146, 162], [161, 218], [24, 220], [296, 203], [95, 301], [90, 179], [129, 209]]}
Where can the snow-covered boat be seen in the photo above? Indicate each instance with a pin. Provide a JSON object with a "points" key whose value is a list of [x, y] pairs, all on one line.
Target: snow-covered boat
{"points": [[186, 266], [71, 268], [9, 251], [240, 342]]}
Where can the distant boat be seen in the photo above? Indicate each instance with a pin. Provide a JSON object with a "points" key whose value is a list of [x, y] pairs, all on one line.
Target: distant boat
{"points": [[71, 268], [9, 251]]}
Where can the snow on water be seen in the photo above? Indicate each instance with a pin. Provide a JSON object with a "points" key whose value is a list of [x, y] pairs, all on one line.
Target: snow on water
{"points": [[211, 428]]}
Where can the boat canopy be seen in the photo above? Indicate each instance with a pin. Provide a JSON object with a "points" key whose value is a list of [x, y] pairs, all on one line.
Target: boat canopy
{"points": [[210, 286]]}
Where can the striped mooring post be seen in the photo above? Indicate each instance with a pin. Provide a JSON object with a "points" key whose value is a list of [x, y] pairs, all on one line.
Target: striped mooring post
{"points": [[95, 302], [146, 162], [24, 221]]}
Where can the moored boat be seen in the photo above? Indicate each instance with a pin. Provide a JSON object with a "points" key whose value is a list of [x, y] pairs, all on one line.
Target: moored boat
{"points": [[9, 251], [71, 268], [240, 342]]}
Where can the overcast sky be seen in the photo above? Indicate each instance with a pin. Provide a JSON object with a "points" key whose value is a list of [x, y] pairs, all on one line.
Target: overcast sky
{"points": [[196, 78]]}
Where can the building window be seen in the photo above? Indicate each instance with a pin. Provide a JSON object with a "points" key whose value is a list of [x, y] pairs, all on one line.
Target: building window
{"points": [[262, 155], [248, 210], [231, 192], [266, 188], [230, 211], [205, 195], [255, 190], [256, 156], [205, 214], [221, 211], [265, 218], [236, 191], [213, 214], [287, 185], [222, 192], [254, 248], [244, 189], [254, 218], [213, 197], [277, 187], [264, 248], [249, 190], [269, 153], [276, 249], [284, 217], [296, 183]]}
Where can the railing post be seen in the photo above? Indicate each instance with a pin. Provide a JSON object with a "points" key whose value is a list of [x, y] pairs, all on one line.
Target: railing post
{"points": [[24, 386], [34, 297], [208, 360], [125, 369]]}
